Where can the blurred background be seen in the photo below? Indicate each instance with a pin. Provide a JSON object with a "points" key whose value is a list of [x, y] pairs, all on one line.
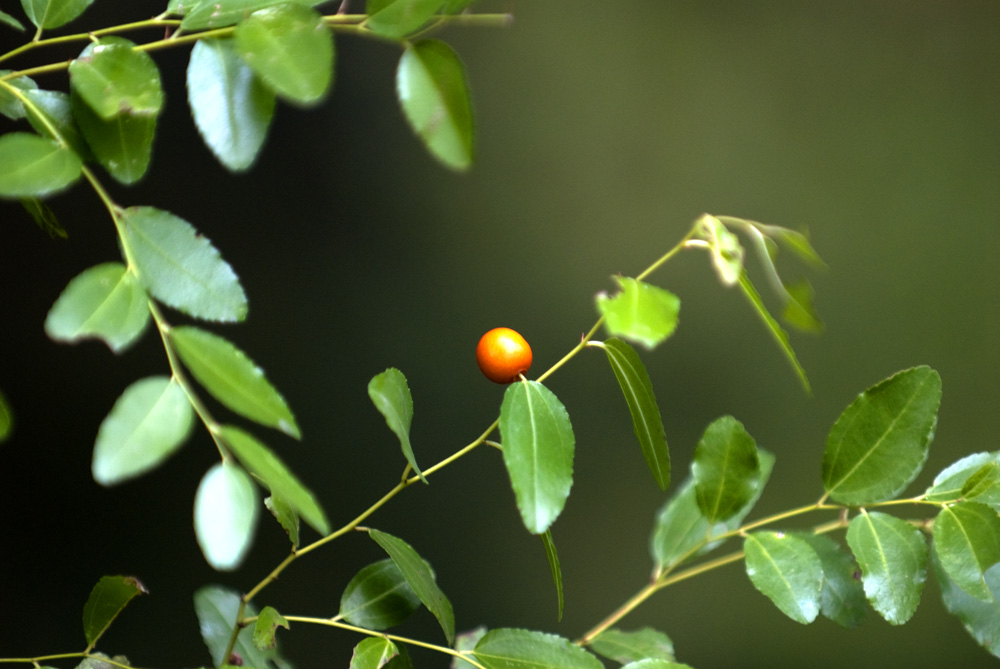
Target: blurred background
{"points": [[603, 130]]}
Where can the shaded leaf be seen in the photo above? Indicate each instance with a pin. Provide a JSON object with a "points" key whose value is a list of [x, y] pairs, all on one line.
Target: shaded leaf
{"points": [[725, 469], [843, 599], [397, 18], [787, 571], [378, 597], [390, 394], [880, 442], [11, 21], [225, 515], [112, 77], [641, 312], [286, 517], [33, 166], [52, 116], [106, 601], [625, 647], [6, 419], [980, 619], [122, 145], [967, 541], [150, 421], [217, 608], [10, 105], [552, 555], [538, 446], [267, 624], [526, 649], [53, 13], [44, 217], [951, 482]]}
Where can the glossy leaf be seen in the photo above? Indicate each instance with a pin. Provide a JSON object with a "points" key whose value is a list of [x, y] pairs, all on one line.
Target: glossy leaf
{"points": [[264, 629], [150, 421], [33, 166], [106, 601], [286, 517], [843, 598], [11, 21], [290, 48], [625, 647], [379, 653], [217, 608], [967, 541], [122, 145], [221, 13], [434, 96], [104, 302], [378, 597], [272, 472], [10, 105], [390, 394], [980, 619], [538, 446], [880, 442], [112, 77], [397, 18], [949, 485], [421, 579], [6, 419], [724, 247], [984, 486], [646, 421], [552, 555], [233, 378], [892, 555], [726, 469], [787, 571], [640, 312], [526, 649], [180, 267], [225, 515], [53, 13], [231, 108], [57, 110]]}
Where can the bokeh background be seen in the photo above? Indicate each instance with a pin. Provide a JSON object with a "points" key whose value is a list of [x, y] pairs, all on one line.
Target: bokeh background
{"points": [[604, 130]]}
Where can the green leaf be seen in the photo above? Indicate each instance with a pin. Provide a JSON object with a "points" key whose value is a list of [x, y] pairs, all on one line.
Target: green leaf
{"points": [[843, 598], [641, 312], [652, 663], [725, 468], [980, 619], [421, 579], [378, 597], [231, 108], [984, 486], [949, 485], [150, 421], [267, 624], [112, 77], [379, 653], [892, 555], [724, 247], [434, 95], [6, 419], [646, 421], [106, 601], [526, 649], [455, 6], [225, 515], [101, 661], [11, 106], [272, 472], [233, 378], [880, 442], [787, 571], [967, 541], [286, 517], [57, 109], [122, 145], [35, 166], [217, 608], [221, 13], [180, 267], [105, 302], [799, 310], [390, 394], [538, 447], [466, 643], [11, 21], [44, 217], [290, 48], [553, 557], [397, 18], [625, 647], [53, 13]]}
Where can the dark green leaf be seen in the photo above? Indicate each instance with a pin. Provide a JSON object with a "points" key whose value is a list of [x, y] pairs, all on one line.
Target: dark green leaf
{"points": [[267, 624], [180, 267], [232, 109], [11, 21], [53, 13], [984, 485], [222, 13], [6, 419], [434, 95], [538, 447], [106, 601], [526, 649], [880, 442], [625, 647], [378, 597], [233, 378], [150, 421], [553, 557], [105, 302], [112, 77], [33, 166], [123, 145], [225, 515], [646, 421], [397, 18], [10, 105], [217, 608], [892, 555], [290, 48], [967, 541], [726, 469], [44, 217], [421, 579], [390, 394], [843, 598], [641, 312], [980, 619], [787, 571], [948, 486], [286, 517], [272, 472]]}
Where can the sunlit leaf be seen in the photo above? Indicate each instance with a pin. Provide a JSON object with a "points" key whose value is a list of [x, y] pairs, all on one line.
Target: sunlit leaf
{"points": [[553, 557], [434, 95], [264, 629], [217, 608], [843, 598], [150, 421], [653, 663], [724, 246], [379, 653], [538, 446], [378, 597], [225, 515], [390, 394], [880, 442], [526, 649], [625, 647], [33, 166], [646, 421], [221, 13], [122, 145], [106, 601], [725, 469], [397, 18], [113, 77], [980, 619], [967, 541], [787, 571], [641, 313], [53, 13]]}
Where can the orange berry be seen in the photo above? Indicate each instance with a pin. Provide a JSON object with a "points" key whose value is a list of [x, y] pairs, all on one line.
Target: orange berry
{"points": [[503, 355]]}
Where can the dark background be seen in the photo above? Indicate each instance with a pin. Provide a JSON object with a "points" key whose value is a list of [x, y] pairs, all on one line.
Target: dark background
{"points": [[604, 129]]}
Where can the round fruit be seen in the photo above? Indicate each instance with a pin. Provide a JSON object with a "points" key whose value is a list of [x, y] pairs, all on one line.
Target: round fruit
{"points": [[503, 355]]}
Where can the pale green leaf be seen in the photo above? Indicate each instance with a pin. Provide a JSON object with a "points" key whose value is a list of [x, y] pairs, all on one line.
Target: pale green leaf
{"points": [[625, 647], [379, 653], [397, 18], [843, 598], [53, 13], [653, 663], [949, 485], [112, 77], [225, 515], [106, 601], [11, 21], [150, 421], [378, 597], [967, 542], [390, 394], [122, 145], [217, 608], [787, 571], [267, 624], [980, 619], [34, 166], [724, 247], [725, 468], [221, 13], [526, 649], [641, 312]]}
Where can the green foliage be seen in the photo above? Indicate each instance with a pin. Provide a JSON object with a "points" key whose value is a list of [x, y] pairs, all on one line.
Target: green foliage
{"points": [[390, 394], [35, 166], [787, 570], [624, 647], [641, 312], [525, 649], [378, 597], [106, 601], [225, 515]]}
